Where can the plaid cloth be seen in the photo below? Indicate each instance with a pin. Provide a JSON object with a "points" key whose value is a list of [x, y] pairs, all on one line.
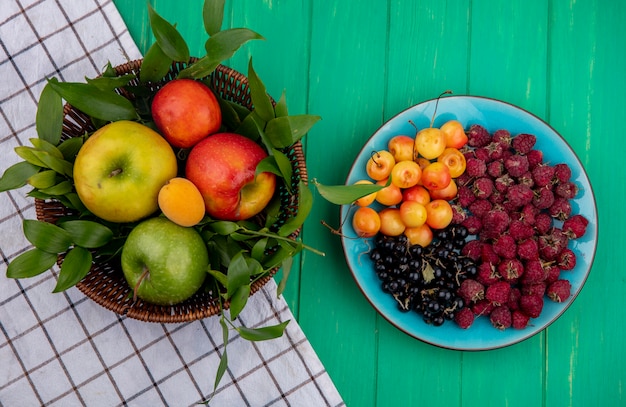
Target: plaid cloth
{"points": [[65, 350]]}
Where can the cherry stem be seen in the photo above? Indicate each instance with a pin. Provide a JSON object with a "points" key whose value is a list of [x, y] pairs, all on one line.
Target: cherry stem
{"points": [[377, 154], [447, 92], [145, 273]]}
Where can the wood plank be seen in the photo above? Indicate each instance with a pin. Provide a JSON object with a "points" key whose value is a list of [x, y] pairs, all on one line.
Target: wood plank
{"points": [[347, 62], [427, 54], [586, 345], [507, 61]]}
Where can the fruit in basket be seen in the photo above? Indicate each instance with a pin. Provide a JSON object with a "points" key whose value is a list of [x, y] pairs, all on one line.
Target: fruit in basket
{"points": [[223, 167], [164, 263], [185, 112], [120, 169], [181, 202]]}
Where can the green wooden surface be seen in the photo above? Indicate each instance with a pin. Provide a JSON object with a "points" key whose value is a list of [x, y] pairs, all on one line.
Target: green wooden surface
{"points": [[357, 63]]}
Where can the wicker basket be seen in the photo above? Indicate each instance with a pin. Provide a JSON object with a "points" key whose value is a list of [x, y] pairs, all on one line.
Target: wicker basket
{"points": [[105, 283]]}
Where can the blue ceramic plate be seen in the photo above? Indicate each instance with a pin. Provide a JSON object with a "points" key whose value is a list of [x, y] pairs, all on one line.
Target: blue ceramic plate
{"points": [[493, 115]]}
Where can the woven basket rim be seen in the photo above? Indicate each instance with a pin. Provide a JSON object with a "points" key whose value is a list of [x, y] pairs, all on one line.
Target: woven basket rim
{"points": [[105, 284]]}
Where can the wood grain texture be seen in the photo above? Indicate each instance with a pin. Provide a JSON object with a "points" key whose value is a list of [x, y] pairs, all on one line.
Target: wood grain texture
{"points": [[357, 64]]}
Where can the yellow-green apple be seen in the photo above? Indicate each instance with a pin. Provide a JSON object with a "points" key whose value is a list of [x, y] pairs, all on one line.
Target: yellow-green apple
{"points": [[223, 167], [120, 169], [185, 111], [164, 263]]}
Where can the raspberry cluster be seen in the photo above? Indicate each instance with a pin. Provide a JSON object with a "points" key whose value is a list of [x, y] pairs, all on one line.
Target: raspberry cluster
{"points": [[518, 207]]}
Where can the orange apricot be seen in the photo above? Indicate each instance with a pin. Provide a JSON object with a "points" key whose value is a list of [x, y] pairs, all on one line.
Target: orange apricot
{"points": [[181, 202]]}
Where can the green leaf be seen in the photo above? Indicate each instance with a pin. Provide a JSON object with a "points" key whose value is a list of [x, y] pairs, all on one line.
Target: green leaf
{"points": [[155, 64], [286, 168], [107, 106], [268, 164], [258, 250], [62, 188], [238, 274], [72, 201], [346, 194], [109, 84], [87, 233], [286, 270], [54, 163], [43, 179], [49, 118], [239, 300], [31, 263], [263, 333], [213, 15], [223, 44], [249, 127], [70, 148], [46, 146], [17, 175], [224, 228], [286, 130], [281, 106], [305, 203], [260, 99], [221, 369], [230, 117], [28, 154], [75, 266], [167, 36], [219, 276], [46, 236]]}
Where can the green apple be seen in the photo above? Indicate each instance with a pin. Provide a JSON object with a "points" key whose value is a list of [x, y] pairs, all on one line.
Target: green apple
{"points": [[223, 167], [120, 169], [164, 263]]}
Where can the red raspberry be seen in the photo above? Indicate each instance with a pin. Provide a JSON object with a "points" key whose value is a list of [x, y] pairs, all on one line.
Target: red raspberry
{"points": [[471, 291], [528, 249], [503, 137], [535, 157], [505, 247], [488, 255], [533, 288], [544, 198], [561, 209], [473, 224], [543, 175], [514, 296], [519, 195], [495, 150], [463, 179], [496, 221], [503, 183], [465, 196], [516, 165], [566, 260], [553, 273], [524, 142], [531, 305], [551, 244], [543, 223], [478, 136], [483, 187], [501, 317], [562, 172], [475, 167], [520, 230], [511, 269], [495, 169], [464, 318], [458, 214], [498, 292], [480, 207], [526, 179], [529, 214], [472, 249], [487, 274], [534, 272], [520, 320], [482, 154], [567, 190], [559, 290], [497, 197], [575, 226], [482, 307]]}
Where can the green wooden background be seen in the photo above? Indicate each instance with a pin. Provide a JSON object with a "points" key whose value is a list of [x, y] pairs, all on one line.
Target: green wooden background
{"points": [[357, 63]]}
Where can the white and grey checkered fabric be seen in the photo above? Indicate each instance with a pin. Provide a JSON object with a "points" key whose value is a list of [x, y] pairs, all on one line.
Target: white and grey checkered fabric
{"points": [[65, 350]]}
